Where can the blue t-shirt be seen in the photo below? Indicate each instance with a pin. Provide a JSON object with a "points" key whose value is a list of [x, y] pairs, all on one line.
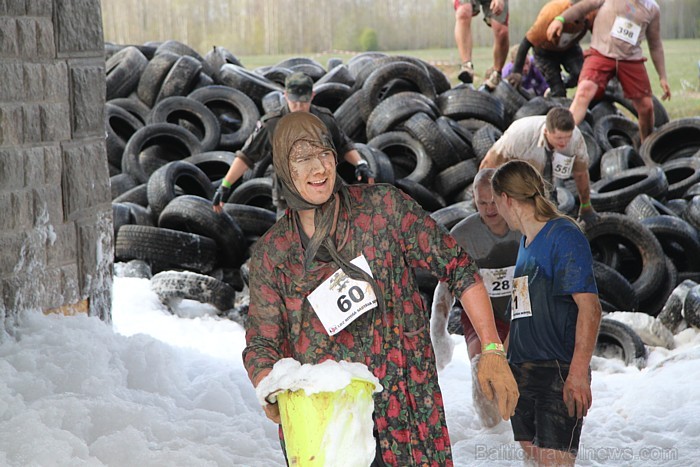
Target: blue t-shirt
{"points": [[557, 264]]}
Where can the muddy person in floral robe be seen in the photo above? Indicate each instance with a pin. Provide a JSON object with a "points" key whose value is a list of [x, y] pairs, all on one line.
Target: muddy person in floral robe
{"points": [[328, 224]]}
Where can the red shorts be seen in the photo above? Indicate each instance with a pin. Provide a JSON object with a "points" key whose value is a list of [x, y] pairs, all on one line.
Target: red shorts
{"points": [[632, 74], [470, 335]]}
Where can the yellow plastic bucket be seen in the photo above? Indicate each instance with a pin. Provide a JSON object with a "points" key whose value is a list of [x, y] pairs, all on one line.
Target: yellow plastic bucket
{"points": [[319, 426]]}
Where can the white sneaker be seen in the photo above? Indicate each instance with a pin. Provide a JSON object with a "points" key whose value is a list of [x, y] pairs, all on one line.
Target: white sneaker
{"points": [[466, 72], [493, 80]]}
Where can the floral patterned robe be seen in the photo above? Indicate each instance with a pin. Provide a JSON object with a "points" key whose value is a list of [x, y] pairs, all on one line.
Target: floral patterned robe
{"points": [[396, 236]]}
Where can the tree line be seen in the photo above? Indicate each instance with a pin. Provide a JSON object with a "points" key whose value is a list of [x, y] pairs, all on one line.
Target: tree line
{"points": [[254, 27]]}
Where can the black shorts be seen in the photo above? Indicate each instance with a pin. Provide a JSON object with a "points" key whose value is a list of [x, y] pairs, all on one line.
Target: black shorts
{"points": [[541, 416]]}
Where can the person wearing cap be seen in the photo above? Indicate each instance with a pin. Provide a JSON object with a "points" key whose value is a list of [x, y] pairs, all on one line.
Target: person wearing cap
{"points": [[334, 279], [298, 95]]}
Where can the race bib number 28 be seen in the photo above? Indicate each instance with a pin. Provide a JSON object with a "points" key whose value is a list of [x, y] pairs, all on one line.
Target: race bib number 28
{"points": [[498, 281], [340, 300]]}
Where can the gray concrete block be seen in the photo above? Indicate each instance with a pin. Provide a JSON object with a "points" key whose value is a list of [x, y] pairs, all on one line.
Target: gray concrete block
{"points": [[12, 169], [8, 36], [55, 122], [40, 8], [31, 123], [85, 178], [78, 26], [22, 252], [88, 99], [48, 205], [33, 80], [96, 260], [62, 246], [45, 44], [20, 204], [53, 164], [10, 125], [33, 167], [56, 86], [13, 7], [26, 37], [12, 79]]}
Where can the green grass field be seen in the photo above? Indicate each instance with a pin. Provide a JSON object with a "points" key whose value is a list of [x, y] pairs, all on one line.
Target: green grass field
{"points": [[682, 58]]}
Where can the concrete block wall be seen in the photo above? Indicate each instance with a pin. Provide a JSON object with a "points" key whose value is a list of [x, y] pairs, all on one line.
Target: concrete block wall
{"points": [[56, 218]]}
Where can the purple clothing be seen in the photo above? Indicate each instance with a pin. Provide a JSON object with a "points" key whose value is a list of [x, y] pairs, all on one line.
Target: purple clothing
{"points": [[533, 81]]}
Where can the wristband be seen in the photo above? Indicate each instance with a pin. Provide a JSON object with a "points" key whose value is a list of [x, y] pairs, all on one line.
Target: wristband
{"points": [[586, 205], [226, 183], [560, 18], [492, 347], [362, 162]]}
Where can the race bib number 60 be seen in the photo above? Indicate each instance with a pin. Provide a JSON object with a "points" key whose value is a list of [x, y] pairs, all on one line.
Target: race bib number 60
{"points": [[340, 300]]}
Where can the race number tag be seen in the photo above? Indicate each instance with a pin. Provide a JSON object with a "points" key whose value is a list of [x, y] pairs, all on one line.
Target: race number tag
{"points": [[520, 299], [498, 282], [626, 30], [562, 165], [340, 300]]}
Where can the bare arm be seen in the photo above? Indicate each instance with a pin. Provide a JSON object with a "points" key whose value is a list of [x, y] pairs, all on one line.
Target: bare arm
{"points": [[656, 50], [583, 185], [492, 160], [577, 388], [476, 303]]}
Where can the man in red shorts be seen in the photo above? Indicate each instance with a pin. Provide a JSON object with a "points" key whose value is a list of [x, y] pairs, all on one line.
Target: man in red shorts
{"points": [[496, 17], [618, 31], [486, 237]]}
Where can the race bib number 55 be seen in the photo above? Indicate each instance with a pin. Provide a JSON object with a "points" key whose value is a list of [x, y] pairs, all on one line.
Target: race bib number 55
{"points": [[340, 300]]}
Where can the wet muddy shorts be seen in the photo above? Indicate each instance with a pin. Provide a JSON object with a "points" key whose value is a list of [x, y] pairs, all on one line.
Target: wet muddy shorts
{"points": [[631, 74], [477, 5], [541, 416]]}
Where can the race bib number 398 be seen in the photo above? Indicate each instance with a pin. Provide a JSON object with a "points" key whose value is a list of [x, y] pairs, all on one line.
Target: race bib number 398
{"points": [[340, 300], [626, 30]]}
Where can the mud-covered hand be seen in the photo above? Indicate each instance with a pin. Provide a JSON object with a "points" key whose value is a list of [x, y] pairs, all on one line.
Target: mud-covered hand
{"points": [[363, 173], [220, 197], [588, 216], [554, 31], [496, 379], [515, 79], [577, 394]]}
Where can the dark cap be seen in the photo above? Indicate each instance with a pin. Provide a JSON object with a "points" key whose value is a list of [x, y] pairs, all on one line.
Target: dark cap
{"points": [[299, 87]]}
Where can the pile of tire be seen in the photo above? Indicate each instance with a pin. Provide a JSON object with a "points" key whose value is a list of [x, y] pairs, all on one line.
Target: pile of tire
{"points": [[175, 118]]}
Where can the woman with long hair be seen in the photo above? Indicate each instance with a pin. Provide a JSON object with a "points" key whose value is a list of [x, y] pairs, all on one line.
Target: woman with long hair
{"points": [[555, 314]]}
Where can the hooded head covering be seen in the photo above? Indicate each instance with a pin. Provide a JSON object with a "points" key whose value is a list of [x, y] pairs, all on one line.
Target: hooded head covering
{"points": [[304, 126], [294, 127]]}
